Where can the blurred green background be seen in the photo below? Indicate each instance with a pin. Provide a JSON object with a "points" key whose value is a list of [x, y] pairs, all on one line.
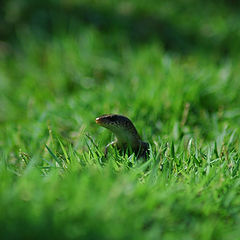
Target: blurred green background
{"points": [[173, 67]]}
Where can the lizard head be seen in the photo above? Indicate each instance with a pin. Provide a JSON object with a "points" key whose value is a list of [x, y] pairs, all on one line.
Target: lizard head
{"points": [[113, 122], [120, 125]]}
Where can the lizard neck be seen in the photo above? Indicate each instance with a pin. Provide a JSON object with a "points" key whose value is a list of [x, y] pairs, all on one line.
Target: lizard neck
{"points": [[128, 137]]}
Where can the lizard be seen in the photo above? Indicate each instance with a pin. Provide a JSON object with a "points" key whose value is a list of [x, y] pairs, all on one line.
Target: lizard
{"points": [[127, 137]]}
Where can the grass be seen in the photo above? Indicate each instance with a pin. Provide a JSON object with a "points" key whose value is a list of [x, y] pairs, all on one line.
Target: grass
{"points": [[178, 84]]}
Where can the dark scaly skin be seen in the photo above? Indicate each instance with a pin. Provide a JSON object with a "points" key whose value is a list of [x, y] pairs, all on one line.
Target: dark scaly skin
{"points": [[127, 137]]}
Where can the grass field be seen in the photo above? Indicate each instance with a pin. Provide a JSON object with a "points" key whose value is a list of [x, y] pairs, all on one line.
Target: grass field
{"points": [[172, 69]]}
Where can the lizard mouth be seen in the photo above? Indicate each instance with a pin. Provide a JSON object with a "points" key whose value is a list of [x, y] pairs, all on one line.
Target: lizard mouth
{"points": [[98, 121]]}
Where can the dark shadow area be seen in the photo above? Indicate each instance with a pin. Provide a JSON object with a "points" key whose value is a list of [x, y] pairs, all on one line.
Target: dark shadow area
{"points": [[231, 4], [139, 27]]}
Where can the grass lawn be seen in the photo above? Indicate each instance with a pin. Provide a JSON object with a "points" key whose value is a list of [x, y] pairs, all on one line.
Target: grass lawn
{"points": [[172, 69]]}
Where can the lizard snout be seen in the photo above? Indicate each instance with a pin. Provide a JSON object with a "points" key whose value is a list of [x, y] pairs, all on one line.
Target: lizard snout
{"points": [[98, 120]]}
